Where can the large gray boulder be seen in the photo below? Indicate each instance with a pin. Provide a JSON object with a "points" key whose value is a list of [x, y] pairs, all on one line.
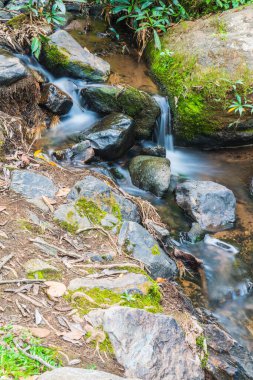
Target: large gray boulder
{"points": [[11, 69], [210, 204], [32, 185], [64, 56], [111, 137], [81, 152], [137, 104], [142, 246], [106, 197], [68, 373], [149, 346], [151, 173], [55, 100]]}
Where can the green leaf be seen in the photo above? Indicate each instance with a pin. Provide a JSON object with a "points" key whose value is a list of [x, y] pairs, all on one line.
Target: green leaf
{"points": [[157, 40], [36, 47]]}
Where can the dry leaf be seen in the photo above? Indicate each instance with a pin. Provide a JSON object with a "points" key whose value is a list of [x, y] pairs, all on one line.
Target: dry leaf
{"points": [[63, 192], [55, 289], [39, 332]]}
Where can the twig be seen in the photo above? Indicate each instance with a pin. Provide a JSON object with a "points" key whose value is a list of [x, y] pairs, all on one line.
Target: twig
{"points": [[20, 281], [5, 260], [58, 249], [119, 265], [104, 232], [29, 299], [33, 357]]}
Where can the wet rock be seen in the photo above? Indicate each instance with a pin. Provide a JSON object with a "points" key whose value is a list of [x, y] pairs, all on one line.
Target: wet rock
{"points": [[137, 104], [81, 152], [156, 151], [162, 233], [111, 137], [11, 69], [149, 346], [124, 282], [150, 173], [142, 246], [251, 187], [68, 373], [5, 15], [195, 234], [64, 56], [38, 266], [107, 198], [55, 100], [32, 185], [210, 204]]}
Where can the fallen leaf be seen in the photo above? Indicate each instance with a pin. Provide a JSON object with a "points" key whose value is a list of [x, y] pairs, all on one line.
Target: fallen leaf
{"points": [[55, 289], [73, 335], [38, 317], [161, 280], [63, 192], [39, 332], [74, 362]]}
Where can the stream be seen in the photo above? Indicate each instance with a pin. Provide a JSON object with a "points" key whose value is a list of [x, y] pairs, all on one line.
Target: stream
{"points": [[228, 268]]}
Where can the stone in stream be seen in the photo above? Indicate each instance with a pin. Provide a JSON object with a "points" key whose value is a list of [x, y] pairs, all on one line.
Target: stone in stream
{"points": [[108, 199], [68, 373], [139, 243], [110, 137], [11, 69], [55, 100], [149, 346], [126, 282], [135, 103], [42, 268], [32, 185], [64, 56], [151, 174], [210, 204], [81, 152], [156, 151]]}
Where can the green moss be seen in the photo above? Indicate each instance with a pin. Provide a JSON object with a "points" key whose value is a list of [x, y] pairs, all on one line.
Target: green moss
{"points": [[44, 275], [204, 355], [155, 250], [151, 301], [26, 225], [17, 21], [220, 26], [114, 206], [199, 95], [90, 209], [56, 58], [70, 227]]}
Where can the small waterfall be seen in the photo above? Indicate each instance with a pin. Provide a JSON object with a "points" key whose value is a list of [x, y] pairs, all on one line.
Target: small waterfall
{"points": [[163, 131]]}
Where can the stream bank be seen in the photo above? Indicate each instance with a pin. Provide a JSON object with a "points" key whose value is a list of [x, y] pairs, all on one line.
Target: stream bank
{"points": [[58, 197]]}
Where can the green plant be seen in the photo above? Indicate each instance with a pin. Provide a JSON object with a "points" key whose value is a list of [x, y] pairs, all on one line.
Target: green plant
{"points": [[204, 355], [240, 106], [128, 297], [14, 363]]}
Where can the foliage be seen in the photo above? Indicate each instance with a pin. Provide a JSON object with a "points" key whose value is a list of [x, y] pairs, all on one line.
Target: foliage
{"points": [[240, 106], [14, 363], [52, 12], [204, 355]]}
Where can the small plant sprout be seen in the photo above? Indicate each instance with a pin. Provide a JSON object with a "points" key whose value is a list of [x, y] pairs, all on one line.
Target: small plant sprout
{"points": [[238, 106], [127, 297]]}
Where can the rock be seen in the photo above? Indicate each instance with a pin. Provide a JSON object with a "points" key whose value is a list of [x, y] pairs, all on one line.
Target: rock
{"points": [[64, 56], [151, 173], [149, 346], [142, 246], [125, 282], [111, 137], [227, 359], [251, 187], [156, 151], [68, 373], [137, 104], [40, 267], [208, 203], [11, 69], [81, 152], [5, 15], [69, 217], [194, 235], [55, 100], [108, 199], [32, 185], [200, 62], [162, 233]]}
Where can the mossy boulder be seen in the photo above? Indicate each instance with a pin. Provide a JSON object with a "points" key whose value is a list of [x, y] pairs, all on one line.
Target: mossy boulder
{"points": [[137, 104], [62, 55], [203, 65], [151, 173], [38, 268]]}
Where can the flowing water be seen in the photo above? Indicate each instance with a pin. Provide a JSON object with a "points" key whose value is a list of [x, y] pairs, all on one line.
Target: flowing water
{"points": [[228, 269]]}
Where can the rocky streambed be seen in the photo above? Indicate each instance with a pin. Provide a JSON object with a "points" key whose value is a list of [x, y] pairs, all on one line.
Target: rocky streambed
{"points": [[98, 270]]}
